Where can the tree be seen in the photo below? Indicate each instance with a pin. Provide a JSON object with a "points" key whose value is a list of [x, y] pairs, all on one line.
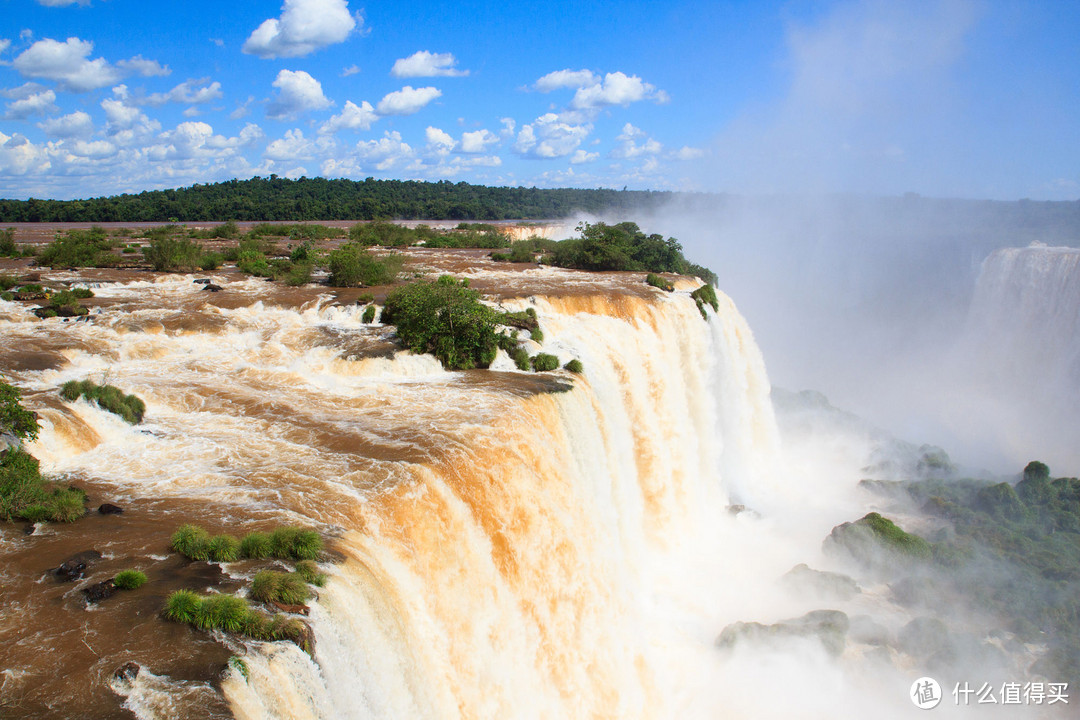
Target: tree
{"points": [[444, 318]]}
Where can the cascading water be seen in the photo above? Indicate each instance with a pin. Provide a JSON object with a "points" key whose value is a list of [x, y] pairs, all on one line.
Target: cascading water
{"points": [[1021, 348], [508, 546]]}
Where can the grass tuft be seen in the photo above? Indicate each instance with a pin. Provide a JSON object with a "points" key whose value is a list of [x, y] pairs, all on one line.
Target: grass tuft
{"points": [[293, 543], [310, 573], [287, 588], [183, 606], [223, 548], [191, 541], [129, 579], [255, 545]]}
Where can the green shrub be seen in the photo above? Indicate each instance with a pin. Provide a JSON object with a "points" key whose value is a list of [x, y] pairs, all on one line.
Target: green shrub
{"points": [[537, 335], [293, 543], [624, 246], [574, 366], [107, 397], [253, 262], [446, 319], [226, 230], [659, 282], [286, 588], [8, 281], [365, 298], [168, 254], [8, 248], [256, 546], [521, 359], [304, 252], [223, 548], [369, 314], [307, 570], [80, 248], [192, 542], [705, 295], [7, 296], [294, 231], [21, 486], [543, 362], [14, 418], [211, 261], [299, 273], [352, 266], [129, 579], [82, 293], [64, 303]]}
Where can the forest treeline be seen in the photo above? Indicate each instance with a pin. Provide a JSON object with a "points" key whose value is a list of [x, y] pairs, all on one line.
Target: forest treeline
{"points": [[277, 198]]}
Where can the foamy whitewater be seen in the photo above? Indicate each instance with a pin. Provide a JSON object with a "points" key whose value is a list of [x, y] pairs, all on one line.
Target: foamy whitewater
{"points": [[507, 553]]}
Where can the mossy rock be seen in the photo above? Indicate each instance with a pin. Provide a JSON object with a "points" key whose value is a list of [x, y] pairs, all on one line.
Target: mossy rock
{"points": [[876, 541], [836, 586], [829, 627]]}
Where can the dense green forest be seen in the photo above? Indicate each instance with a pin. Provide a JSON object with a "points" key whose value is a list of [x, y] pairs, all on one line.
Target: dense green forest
{"points": [[277, 198]]}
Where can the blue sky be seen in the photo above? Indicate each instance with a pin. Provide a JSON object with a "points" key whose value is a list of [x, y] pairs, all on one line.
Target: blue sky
{"points": [[962, 98]]}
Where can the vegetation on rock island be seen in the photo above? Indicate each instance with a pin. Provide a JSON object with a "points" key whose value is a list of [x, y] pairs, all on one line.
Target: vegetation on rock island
{"points": [[24, 494], [107, 397]]}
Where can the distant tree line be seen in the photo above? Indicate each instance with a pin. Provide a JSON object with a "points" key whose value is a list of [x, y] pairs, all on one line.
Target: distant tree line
{"points": [[280, 199]]}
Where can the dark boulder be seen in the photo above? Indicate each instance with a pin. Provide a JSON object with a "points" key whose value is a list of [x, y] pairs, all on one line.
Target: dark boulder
{"points": [[74, 566], [128, 671], [110, 509], [201, 281], [211, 287], [99, 591]]}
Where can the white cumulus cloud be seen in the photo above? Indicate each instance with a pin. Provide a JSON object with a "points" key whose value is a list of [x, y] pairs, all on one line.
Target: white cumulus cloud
{"points": [[439, 142], [139, 65], [19, 156], [40, 103], [615, 89], [384, 152], [304, 27], [351, 117], [566, 79], [191, 92], [298, 92], [293, 146], [66, 63], [76, 125], [550, 137], [629, 147], [581, 156], [427, 64], [477, 141], [407, 100]]}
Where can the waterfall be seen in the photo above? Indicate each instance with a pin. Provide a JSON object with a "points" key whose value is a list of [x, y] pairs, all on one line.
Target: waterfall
{"points": [[1021, 349], [506, 551]]}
